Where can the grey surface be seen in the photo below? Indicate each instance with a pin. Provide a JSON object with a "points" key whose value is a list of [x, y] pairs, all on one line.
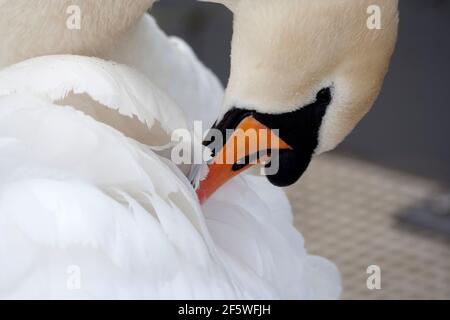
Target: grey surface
{"points": [[409, 127], [346, 210]]}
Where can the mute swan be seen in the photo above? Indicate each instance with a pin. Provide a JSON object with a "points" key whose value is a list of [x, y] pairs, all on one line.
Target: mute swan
{"points": [[88, 209], [310, 69]]}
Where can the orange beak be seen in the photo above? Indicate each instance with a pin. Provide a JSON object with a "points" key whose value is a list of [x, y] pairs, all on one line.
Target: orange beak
{"points": [[251, 143]]}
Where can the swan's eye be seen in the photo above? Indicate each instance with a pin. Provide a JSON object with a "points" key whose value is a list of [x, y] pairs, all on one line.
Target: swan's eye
{"points": [[324, 96]]}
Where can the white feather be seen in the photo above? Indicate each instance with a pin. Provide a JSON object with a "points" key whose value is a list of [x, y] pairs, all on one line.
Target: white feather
{"points": [[77, 194], [172, 65], [113, 85]]}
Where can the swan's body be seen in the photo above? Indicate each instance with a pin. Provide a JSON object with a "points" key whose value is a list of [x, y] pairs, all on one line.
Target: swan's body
{"points": [[115, 30], [87, 211]]}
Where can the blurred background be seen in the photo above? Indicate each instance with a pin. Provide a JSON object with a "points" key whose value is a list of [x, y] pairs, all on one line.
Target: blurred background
{"points": [[382, 198]]}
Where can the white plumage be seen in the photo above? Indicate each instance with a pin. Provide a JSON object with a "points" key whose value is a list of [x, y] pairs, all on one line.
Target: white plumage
{"points": [[76, 192]]}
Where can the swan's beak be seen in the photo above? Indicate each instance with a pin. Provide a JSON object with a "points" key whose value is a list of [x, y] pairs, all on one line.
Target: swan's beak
{"points": [[249, 144]]}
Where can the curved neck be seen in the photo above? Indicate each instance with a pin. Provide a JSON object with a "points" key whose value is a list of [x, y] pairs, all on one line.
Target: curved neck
{"points": [[35, 28]]}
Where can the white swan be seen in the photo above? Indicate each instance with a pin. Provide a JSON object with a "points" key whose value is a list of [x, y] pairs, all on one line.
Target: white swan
{"points": [[88, 211], [308, 69]]}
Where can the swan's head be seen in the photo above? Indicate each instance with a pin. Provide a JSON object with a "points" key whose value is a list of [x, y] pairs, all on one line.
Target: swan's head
{"points": [[310, 69], [84, 27]]}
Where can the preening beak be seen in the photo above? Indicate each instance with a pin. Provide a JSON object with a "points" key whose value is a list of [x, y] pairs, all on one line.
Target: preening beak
{"points": [[250, 143], [287, 141]]}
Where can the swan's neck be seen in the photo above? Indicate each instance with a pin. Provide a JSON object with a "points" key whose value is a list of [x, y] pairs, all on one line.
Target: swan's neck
{"points": [[35, 28]]}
